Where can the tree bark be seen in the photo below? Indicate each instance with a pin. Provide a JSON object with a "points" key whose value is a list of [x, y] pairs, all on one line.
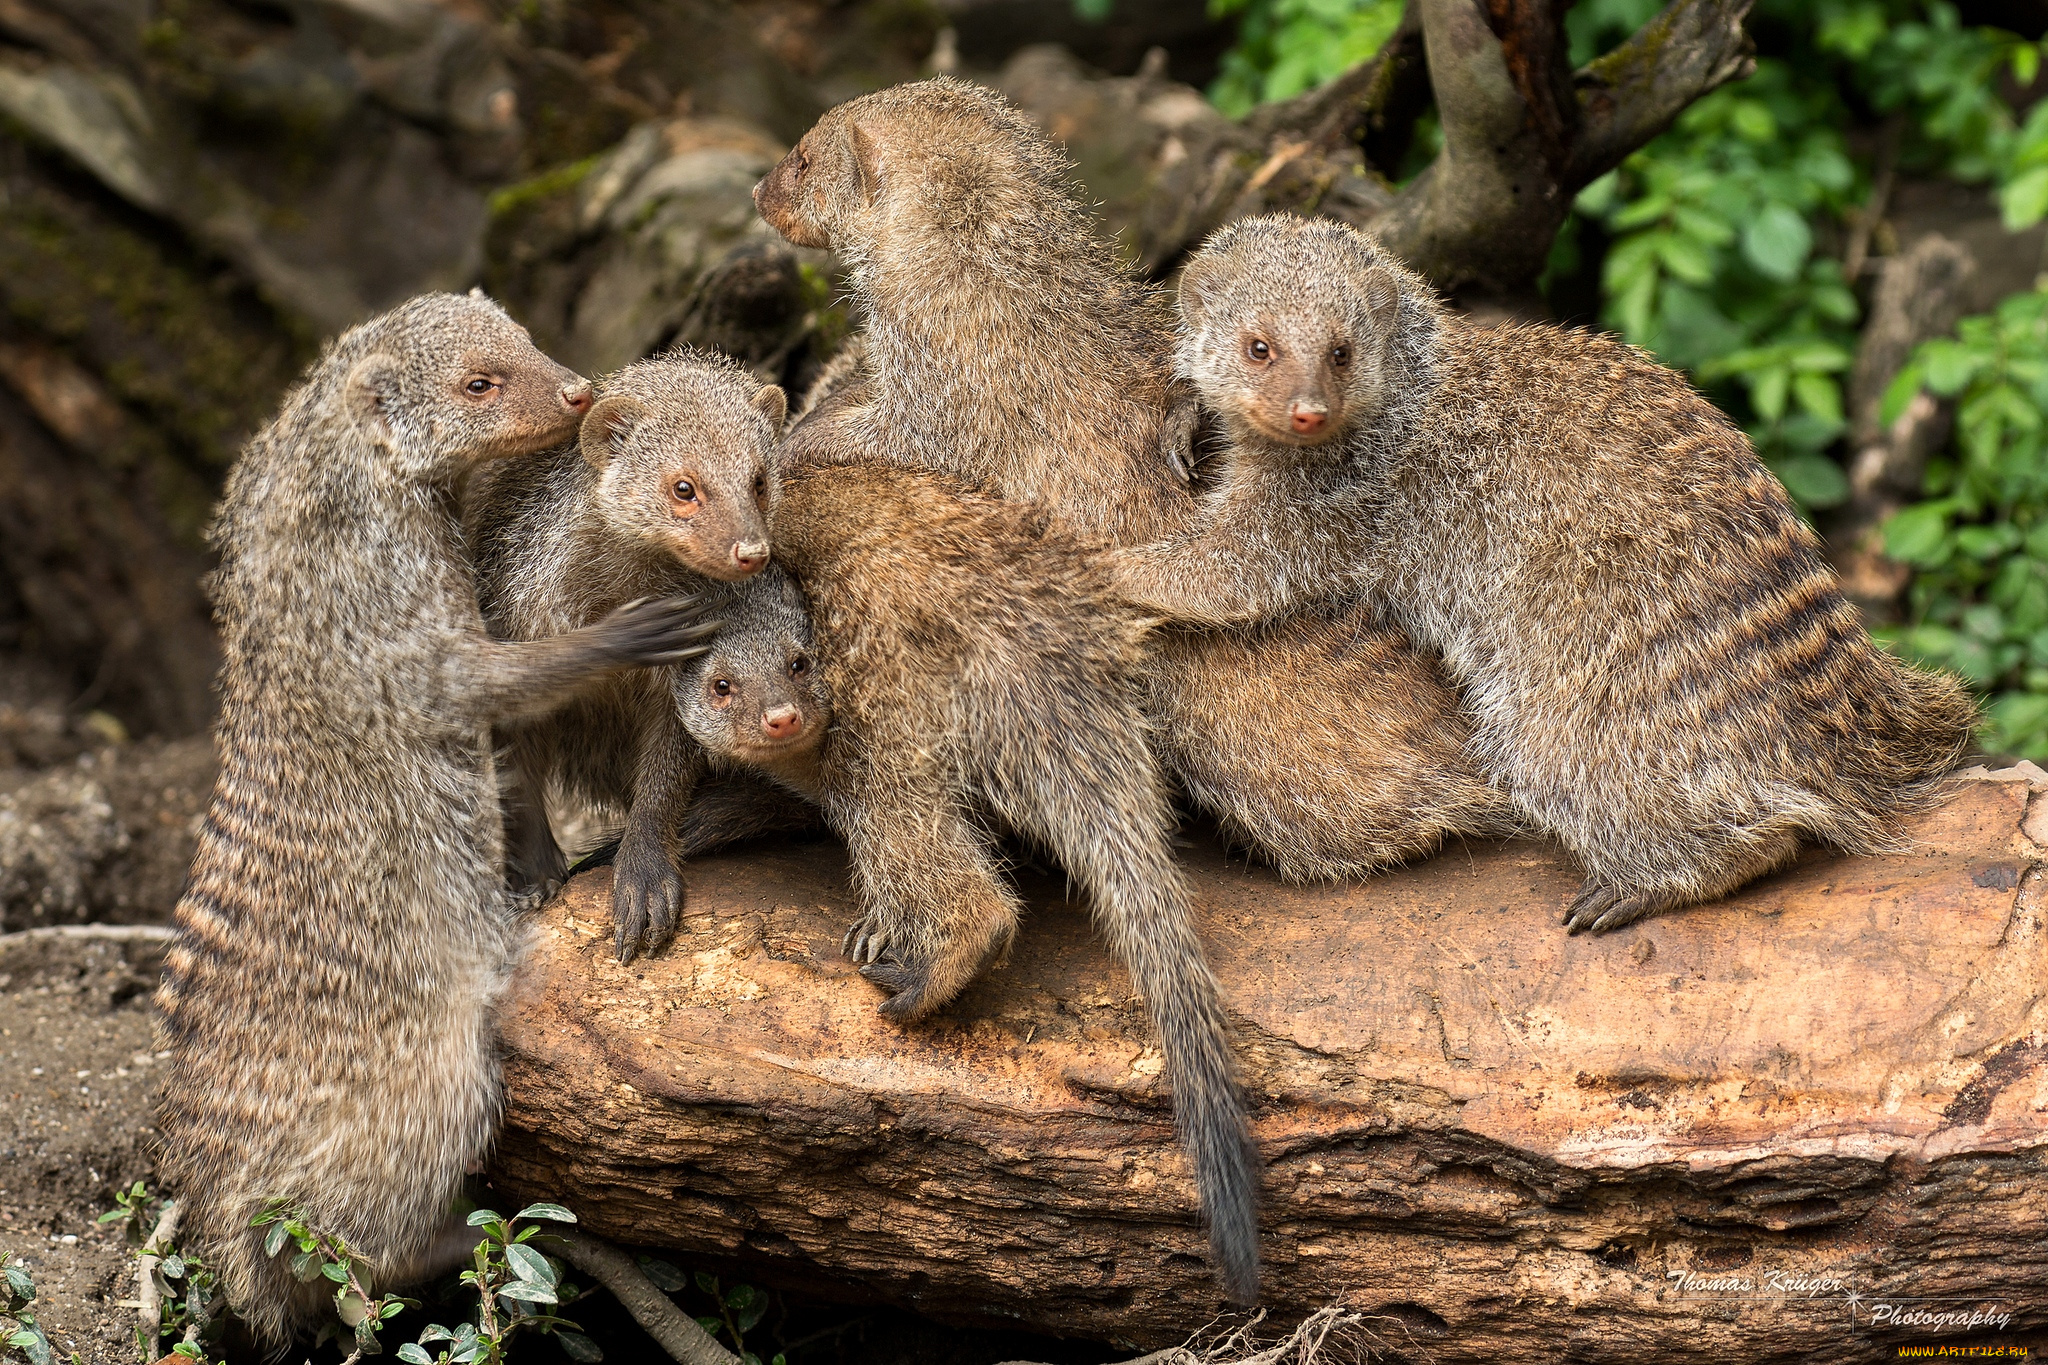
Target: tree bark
{"points": [[1756, 1130]]}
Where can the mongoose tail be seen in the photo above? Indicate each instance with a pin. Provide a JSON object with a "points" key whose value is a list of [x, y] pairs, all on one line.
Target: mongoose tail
{"points": [[1076, 778], [1080, 781]]}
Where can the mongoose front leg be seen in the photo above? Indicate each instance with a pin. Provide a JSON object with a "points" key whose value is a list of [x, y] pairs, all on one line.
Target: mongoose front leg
{"points": [[486, 680], [1252, 559], [937, 914], [647, 887]]}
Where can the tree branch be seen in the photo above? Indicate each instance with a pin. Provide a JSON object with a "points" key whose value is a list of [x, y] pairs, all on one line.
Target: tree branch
{"points": [[1633, 93]]}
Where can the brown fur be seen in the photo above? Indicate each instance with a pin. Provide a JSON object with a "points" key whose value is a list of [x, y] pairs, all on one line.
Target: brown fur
{"points": [[1662, 671], [977, 665], [560, 538], [1005, 343], [345, 930]]}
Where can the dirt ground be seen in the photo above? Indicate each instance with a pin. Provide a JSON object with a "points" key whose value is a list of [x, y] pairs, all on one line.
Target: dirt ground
{"points": [[77, 1081]]}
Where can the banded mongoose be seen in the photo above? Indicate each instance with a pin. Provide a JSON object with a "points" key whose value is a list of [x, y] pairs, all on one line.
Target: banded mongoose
{"points": [[1007, 343], [1662, 671], [668, 490], [345, 931], [977, 664]]}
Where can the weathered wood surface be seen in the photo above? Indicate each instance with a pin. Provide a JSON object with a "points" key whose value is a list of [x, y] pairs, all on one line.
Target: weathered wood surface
{"points": [[1504, 1142]]}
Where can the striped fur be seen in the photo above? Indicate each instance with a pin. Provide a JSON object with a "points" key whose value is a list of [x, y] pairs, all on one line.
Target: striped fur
{"points": [[1659, 666]]}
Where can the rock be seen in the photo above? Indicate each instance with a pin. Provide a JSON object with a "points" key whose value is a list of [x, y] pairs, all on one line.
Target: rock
{"points": [[107, 837], [1768, 1128]]}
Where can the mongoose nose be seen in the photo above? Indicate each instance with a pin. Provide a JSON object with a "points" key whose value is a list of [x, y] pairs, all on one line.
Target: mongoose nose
{"points": [[750, 555], [1308, 418], [783, 722], [576, 396]]}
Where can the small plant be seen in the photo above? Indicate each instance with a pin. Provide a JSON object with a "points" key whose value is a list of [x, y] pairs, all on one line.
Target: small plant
{"points": [[740, 1309], [187, 1293], [324, 1254], [516, 1285], [20, 1337]]}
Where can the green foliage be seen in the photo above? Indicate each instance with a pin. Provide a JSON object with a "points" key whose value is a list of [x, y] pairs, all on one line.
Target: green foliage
{"points": [[739, 1309], [187, 1293], [20, 1338], [516, 1287], [1287, 46], [1980, 541]]}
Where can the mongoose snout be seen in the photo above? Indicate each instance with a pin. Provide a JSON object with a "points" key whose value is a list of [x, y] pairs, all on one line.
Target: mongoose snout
{"points": [[576, 397]]}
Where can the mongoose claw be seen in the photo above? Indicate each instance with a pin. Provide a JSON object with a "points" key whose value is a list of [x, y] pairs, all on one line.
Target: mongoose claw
{"points": [[647, 902], [1600, 908], [867, 939], [670, 630]]}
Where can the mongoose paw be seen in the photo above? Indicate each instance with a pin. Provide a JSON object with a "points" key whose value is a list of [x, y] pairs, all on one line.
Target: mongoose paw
{"points": [[668, 630], [1600, 908], [906, 986], [647, 902], [527, 899]]}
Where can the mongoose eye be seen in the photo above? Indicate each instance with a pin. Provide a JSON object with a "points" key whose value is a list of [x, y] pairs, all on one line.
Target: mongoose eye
{"points": [[1341, 356], [760, 486], [1259, 350], [722, 688], [798, 665], [477, 388], [685, 491]]}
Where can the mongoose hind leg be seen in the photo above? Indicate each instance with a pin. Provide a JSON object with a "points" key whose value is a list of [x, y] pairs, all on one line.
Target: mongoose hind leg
{"points": [[936, 913], [1604, 904], [535, 866]]}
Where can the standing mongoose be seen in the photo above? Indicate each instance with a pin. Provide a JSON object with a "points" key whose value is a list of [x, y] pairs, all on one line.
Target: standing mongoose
{"points": [[1005, 342], [345, 929], [1662, 671], [667, 491], [969, 662]]}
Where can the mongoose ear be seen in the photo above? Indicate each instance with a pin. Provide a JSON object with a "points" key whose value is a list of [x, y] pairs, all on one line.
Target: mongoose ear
{"points": [[867, 161], [1198, 281], [771, 402], [476, 291], [371, 389], [606, 428], [1382, 293]]}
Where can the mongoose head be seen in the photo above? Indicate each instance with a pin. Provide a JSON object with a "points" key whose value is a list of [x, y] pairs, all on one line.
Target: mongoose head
{"points": [[1302, 331], [446, 380], [683, 446], [756, 697], [941, 153]]}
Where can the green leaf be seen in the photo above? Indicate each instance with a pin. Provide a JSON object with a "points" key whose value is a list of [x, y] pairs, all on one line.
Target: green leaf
{"points": [[414, 1354], [580, 1348], [522, 1291], [664, 1276], [1919, 535], [335, 1271], [483, 1218], [1767, 392], [304, 1265], [530, 1265], [1777, 242], [173, 1265], [712, 1325], [274, 1242], [707, 1283], [1819, 395], [2024, 202], [1815, 480], [554, 1213], [1901, 391]]}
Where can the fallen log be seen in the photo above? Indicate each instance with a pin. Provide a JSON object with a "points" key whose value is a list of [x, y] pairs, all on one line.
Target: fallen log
{"points": [[1810, 1119]]}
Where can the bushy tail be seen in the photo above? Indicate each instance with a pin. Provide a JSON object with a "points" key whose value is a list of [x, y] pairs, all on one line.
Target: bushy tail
{"points": [[1084, 784]]}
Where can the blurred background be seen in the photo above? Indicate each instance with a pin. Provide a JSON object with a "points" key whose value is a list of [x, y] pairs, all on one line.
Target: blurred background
{"points": [[1843, 247]]}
